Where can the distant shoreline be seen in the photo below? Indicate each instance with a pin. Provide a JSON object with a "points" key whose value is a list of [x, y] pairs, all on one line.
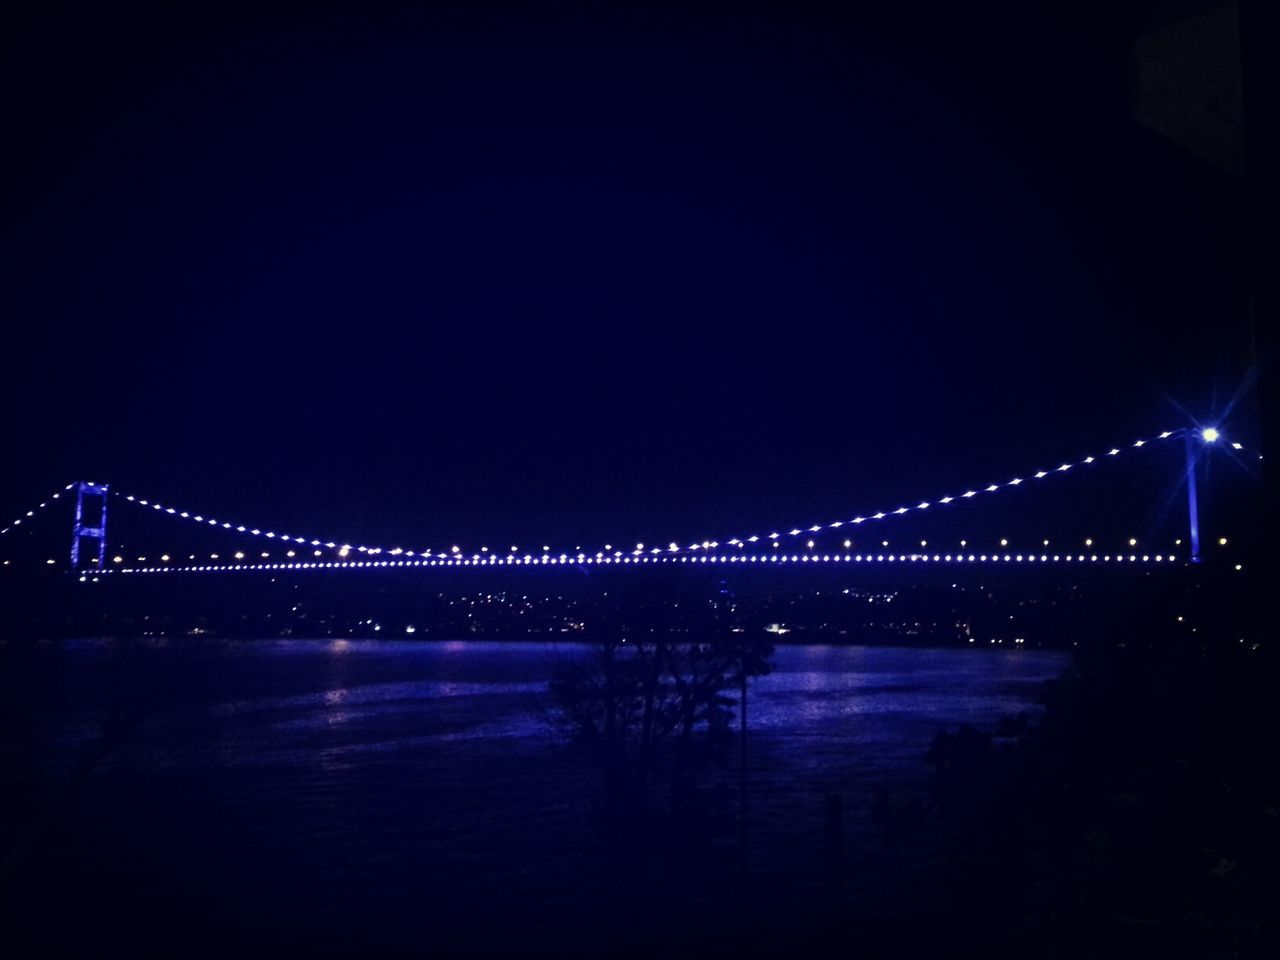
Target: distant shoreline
{"points": [[10, 642]]}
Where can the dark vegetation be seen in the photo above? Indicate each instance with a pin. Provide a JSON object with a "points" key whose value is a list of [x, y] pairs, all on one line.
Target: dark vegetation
{"points": [[1140, 816], [658, 718]]}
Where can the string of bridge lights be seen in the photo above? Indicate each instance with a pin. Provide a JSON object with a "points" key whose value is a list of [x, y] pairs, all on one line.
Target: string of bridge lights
{"points": [[603, 559], [31, 514], [770, 559], [968, 494], [673, 548], [342, 548], [811, 546]]}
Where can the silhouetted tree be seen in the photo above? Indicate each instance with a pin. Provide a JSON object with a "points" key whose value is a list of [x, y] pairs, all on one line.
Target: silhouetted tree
{"points": [[651, 710], [1138, 816]]}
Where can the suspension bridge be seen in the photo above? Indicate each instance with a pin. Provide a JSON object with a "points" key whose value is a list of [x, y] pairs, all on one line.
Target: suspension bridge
{"points": [[830, 542]]}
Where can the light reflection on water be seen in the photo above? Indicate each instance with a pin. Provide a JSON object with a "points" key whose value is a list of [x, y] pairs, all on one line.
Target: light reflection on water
{"points": [[377, 775]]}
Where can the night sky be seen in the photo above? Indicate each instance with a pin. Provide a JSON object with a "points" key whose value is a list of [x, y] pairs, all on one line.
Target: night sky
{"points": [[577, 276]]}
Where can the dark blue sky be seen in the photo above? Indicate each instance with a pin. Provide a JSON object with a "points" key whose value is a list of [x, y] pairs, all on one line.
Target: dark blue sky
{"points": [[576, 274]]}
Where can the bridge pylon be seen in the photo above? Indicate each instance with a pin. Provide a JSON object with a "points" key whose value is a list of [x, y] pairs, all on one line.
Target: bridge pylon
{"points": [[80, 530]]}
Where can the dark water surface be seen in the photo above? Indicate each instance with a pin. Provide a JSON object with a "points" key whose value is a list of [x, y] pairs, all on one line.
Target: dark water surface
{"points": [[363, 796]]}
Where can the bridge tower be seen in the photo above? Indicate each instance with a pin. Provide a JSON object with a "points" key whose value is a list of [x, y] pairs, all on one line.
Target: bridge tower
{"points": [[1193, 499], [82, 531]]}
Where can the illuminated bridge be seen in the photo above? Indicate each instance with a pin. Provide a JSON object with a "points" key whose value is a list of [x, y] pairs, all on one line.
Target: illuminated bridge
{"points": [[843, 541]]}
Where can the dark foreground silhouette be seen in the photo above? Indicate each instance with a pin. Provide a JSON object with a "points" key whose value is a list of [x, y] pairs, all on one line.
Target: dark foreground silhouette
{"points": [[1140, 815]]}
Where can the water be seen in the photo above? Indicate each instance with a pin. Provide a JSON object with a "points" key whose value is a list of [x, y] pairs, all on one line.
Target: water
{"points": [[394, 795]]}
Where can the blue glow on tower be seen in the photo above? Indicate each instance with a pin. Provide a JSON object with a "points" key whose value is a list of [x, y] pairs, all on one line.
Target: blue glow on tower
{"points": [[1193, 503], [79, 531]]}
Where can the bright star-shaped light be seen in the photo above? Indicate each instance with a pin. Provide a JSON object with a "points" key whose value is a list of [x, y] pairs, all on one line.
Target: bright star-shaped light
{"points": [[1209, 434]]}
